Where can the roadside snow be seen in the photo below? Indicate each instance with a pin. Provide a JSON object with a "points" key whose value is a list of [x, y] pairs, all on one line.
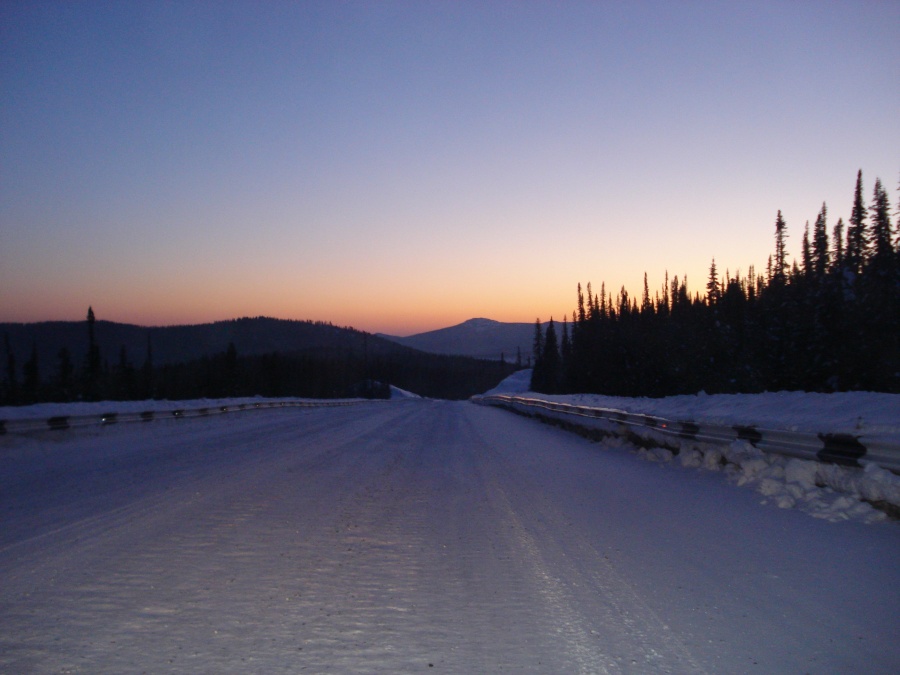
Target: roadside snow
{"points": [[861, 413], [47, 410], [823, 490], [397, 392]]}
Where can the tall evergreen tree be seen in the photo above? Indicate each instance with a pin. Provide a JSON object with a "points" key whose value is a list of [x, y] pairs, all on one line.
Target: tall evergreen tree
{"points": [[820, 244], [882, 251], [837, 239], [538, 344], [92, 360], [646, 303], [807, 257], [780, 264], [582, 316], [712, 284], [551, 361], [857, 238]]}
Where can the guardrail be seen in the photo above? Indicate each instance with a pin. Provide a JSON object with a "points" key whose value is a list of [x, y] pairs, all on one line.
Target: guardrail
{"points": [[63, 422], [834, 448]]}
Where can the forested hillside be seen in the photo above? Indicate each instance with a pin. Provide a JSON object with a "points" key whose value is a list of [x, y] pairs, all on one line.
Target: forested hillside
{"points": [[827, 321], [97, 360]]}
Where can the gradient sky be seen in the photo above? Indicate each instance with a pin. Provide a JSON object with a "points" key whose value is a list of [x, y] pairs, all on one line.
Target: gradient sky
{"points": [[404, 166]]}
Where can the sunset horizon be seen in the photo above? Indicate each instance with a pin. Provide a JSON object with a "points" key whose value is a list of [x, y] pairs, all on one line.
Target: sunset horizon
{"points": [[403, 167]]}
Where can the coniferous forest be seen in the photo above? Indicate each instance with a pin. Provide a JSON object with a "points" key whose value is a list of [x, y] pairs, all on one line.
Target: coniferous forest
{"points": [[322, 361], [828, 320]]}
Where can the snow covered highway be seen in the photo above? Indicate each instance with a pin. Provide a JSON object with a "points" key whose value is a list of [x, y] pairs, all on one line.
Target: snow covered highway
{"points": [[417, 536]]}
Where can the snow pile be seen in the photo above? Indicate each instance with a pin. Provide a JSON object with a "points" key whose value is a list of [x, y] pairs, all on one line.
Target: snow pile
{"points": [[397, 392], [518, 382], [824, 491]]}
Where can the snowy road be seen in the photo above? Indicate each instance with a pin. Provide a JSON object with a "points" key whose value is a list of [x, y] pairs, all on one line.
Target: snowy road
{"points": [[417, 537]]}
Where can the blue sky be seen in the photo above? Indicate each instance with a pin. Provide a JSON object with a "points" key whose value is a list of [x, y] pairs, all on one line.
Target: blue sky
{"points": [[402, 166]]}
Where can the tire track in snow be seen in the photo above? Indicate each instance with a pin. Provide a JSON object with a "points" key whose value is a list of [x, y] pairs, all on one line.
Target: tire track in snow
{"points": [[607, 626]]}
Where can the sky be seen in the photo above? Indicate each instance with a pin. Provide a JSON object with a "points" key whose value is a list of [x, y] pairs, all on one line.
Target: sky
{"points": [[404, 166]]}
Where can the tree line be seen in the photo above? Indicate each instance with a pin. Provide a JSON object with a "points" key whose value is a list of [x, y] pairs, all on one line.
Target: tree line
{"points": [[828, 320], [351, 364]]}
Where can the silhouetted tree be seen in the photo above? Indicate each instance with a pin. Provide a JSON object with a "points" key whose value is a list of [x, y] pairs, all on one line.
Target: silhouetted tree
{"points": [[64, 374], [857, 238], [831, 322], [11, 388], [781, 265], [550, 362], [820, 245], [882, 253], [712, 285], [31, 377], [92, 367]]}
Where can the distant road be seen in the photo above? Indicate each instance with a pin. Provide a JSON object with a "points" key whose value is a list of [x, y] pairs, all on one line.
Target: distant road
{"points": [[416, 536]]}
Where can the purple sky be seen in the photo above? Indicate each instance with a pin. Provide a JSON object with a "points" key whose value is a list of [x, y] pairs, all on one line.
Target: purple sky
{"points": [[403, 166]]}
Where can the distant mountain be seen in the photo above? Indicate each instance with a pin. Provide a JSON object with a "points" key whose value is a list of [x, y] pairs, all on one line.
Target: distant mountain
{"points": [[481, 338], [179, 344]]}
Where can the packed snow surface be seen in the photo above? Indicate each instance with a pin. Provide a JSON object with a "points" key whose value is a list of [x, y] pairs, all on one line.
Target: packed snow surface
{"points": [[417, 536]]}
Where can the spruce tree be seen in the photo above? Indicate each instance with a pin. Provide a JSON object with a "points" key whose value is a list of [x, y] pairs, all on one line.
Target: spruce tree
{"points": [[837, 239], [882, 250], [582, 316], [780, 266], [551, 360], [646, 305], [712, 285], [92, 360], [820, 244], [807, 253], [857, 239]]}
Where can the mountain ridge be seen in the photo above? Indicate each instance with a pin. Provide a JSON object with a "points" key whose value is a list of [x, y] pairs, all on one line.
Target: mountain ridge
{"points": [[179, 343], [477, 337]]}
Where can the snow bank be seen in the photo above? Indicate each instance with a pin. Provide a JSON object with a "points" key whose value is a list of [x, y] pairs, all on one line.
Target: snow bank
{"points": [[861, 413], [519, 381], [47, 410], [397, 392], [825, 491]]}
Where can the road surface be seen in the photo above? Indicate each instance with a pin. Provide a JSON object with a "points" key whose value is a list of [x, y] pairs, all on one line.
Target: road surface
{"points": [[419, 536]]}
